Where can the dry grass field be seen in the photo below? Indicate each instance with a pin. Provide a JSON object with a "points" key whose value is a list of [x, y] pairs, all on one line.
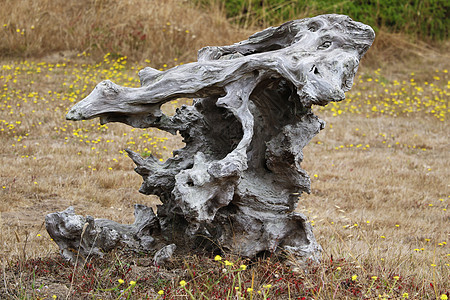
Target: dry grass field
{"points": [[140, 29], [379, 174], [380, 182]]}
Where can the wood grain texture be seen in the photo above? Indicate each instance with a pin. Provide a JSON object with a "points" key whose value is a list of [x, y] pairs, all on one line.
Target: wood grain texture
{"points": [[236, 183]]}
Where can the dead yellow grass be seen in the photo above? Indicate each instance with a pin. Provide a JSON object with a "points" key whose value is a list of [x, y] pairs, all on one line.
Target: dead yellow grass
{"points": [[156, 31], [152, 30], [379, 170]]}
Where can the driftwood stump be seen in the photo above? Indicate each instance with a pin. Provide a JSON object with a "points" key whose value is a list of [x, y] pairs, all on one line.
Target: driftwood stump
{"points": [[236, 183]]}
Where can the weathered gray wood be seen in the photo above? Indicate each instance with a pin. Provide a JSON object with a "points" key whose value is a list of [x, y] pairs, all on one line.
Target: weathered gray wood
{"points": [[79, 237], [235, 185], [163, 255]]}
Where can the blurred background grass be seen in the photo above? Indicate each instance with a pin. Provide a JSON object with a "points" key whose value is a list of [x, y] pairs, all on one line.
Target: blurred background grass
{"points": [[160, 31], [424, 19]]}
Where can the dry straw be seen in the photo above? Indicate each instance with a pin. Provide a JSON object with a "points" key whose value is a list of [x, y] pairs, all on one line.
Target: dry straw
{"points": [[139, 29]]}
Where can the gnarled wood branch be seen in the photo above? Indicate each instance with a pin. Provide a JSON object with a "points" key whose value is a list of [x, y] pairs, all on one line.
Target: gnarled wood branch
{"points": [[236, 183]]}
